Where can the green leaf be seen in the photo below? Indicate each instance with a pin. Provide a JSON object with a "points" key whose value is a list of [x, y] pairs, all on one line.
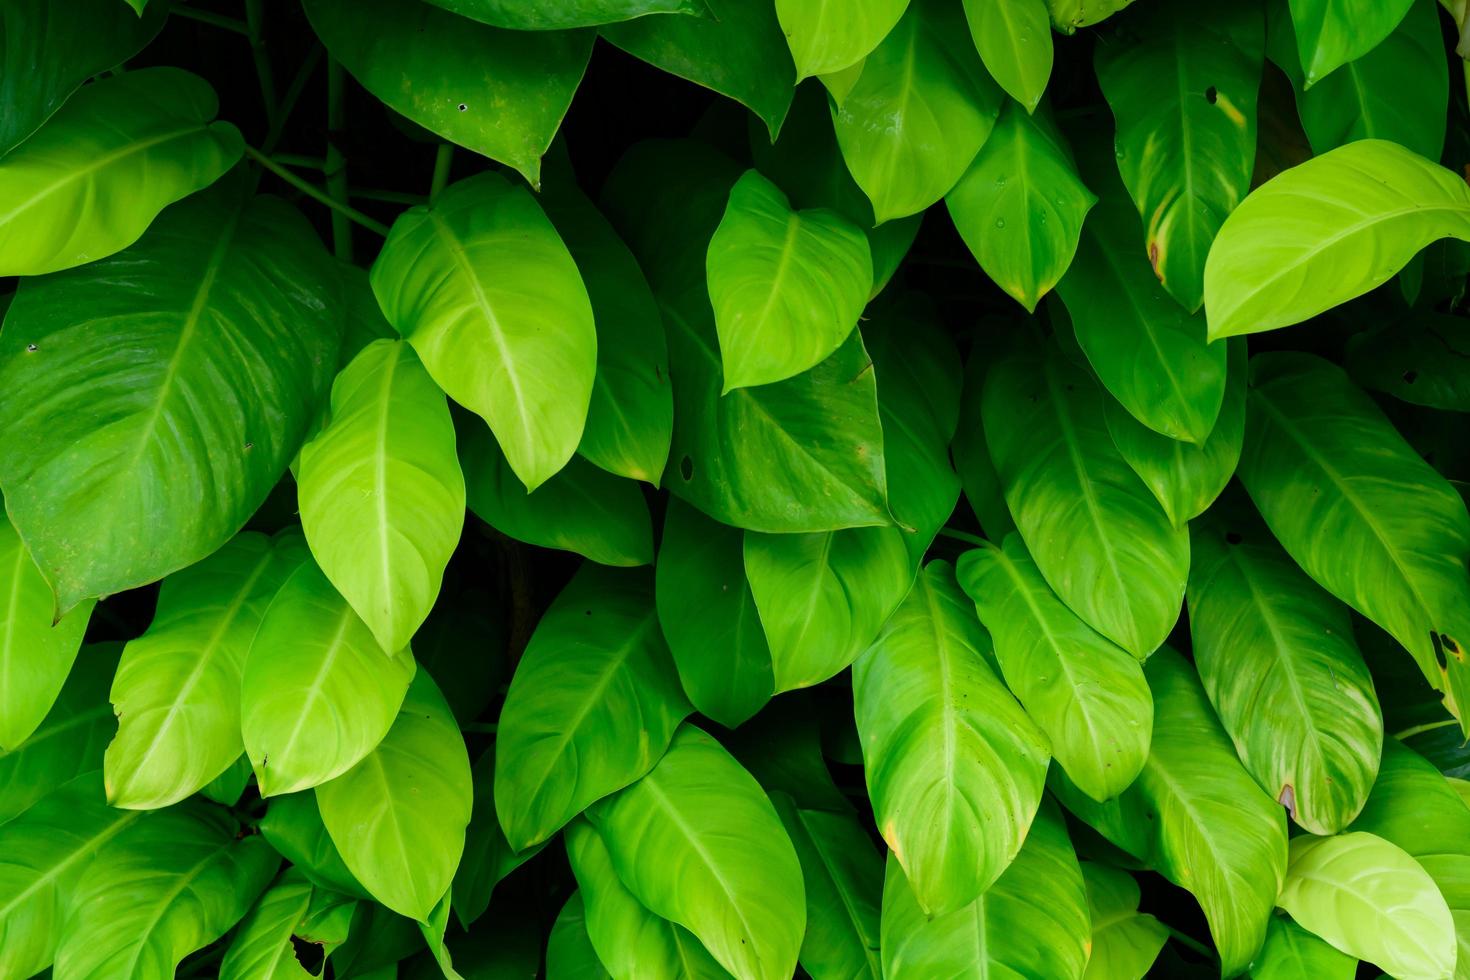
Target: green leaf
{"points": [[1330, 33], [1021, 204], [592, 706], [943, 740], [1422, 812], [1332, 477], [1068, 15], [43, 853], [317, 693], [500, 93], [1182, 84], [1398, 91], [1085, 693], [1014, 41], [154, 398], [293, 826], [138, 141], [71, 739], [227, 788], [569, 951], [736, 49], [35, 655], [787, 286], [365, 322], [177, 689], [488, 857], [486, 292], [398, 817], [581, 509], [1292, 952], [1116, 561], [826, 39], [49, 52], [1183, 477], [697, 842], [381, 493], [1196, 817], [1407, 359], [919, 112], [1031, 923], [563, 14], [842, 876], [1277, 658], [631, 416], [1371, 900], [167, 886], [1125, 941], [630, 939], [709, 617], [290, 909], [1150, 354], [1327, 231]]}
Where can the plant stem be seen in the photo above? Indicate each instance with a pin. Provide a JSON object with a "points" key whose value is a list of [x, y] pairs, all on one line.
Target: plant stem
{"points": [[1420, 729], [392, 197], [1192, 943], [443, 160], [336, 162], [293, 96], [339, 210], [965, 536], [297, 160], [255, 24], [205, 17]]}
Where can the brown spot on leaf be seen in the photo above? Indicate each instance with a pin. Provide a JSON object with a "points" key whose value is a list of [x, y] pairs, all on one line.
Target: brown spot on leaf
{"points": [[1287, 798]]}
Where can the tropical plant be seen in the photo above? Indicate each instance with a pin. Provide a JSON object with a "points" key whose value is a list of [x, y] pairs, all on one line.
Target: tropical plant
{"points": [[498, 488]]}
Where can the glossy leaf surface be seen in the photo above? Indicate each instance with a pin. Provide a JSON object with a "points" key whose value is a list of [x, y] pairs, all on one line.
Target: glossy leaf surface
{"points": [[521, 16], [1331, 33], [1125, 941], [1014, 41], [826, 39], [1291, 952]]}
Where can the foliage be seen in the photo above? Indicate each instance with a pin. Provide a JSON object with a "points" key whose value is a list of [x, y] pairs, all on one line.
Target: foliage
{"points": [[755, 488]]}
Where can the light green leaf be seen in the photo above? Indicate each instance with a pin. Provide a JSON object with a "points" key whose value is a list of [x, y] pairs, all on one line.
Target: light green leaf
{"points": [[97, 174], [177, 689], [943, 740], [709, 617], [1371, 900], [563, 14], [1292, 953], [227, 788], [262, 948], [630, 419], [1196, 817], [582, 509], [205, 348], [1407, 359], [919, 112], [1182, 84], [1068, 15], [826, 38], [293, 826], [1330, 33], [569, 951], [1277, 658], [1014, 41], [484, 289], [1021, 204], [697, 842], [1183, 477], [1031, 923], [170, 884], [787, 286], [1085, 693], [317, 693], [842, 876], [50, 51], [1149, 353], [1125, 941], [1327, 231], [1115, 560], [43, 854], [398, 817], [1424, 813], [1398, 91], [381, 493], [630, 940], [500, 93], [592, 706], [736, 49], [1332, 477], [35, 655], [488, 857], [71, 739]]}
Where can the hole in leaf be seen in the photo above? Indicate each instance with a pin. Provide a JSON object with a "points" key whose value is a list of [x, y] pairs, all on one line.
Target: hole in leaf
{"points": [[1438, 650], [462, 107], [310, 955], [1233, 538], [1211, 94], [686, 469], [1410, 377]]}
